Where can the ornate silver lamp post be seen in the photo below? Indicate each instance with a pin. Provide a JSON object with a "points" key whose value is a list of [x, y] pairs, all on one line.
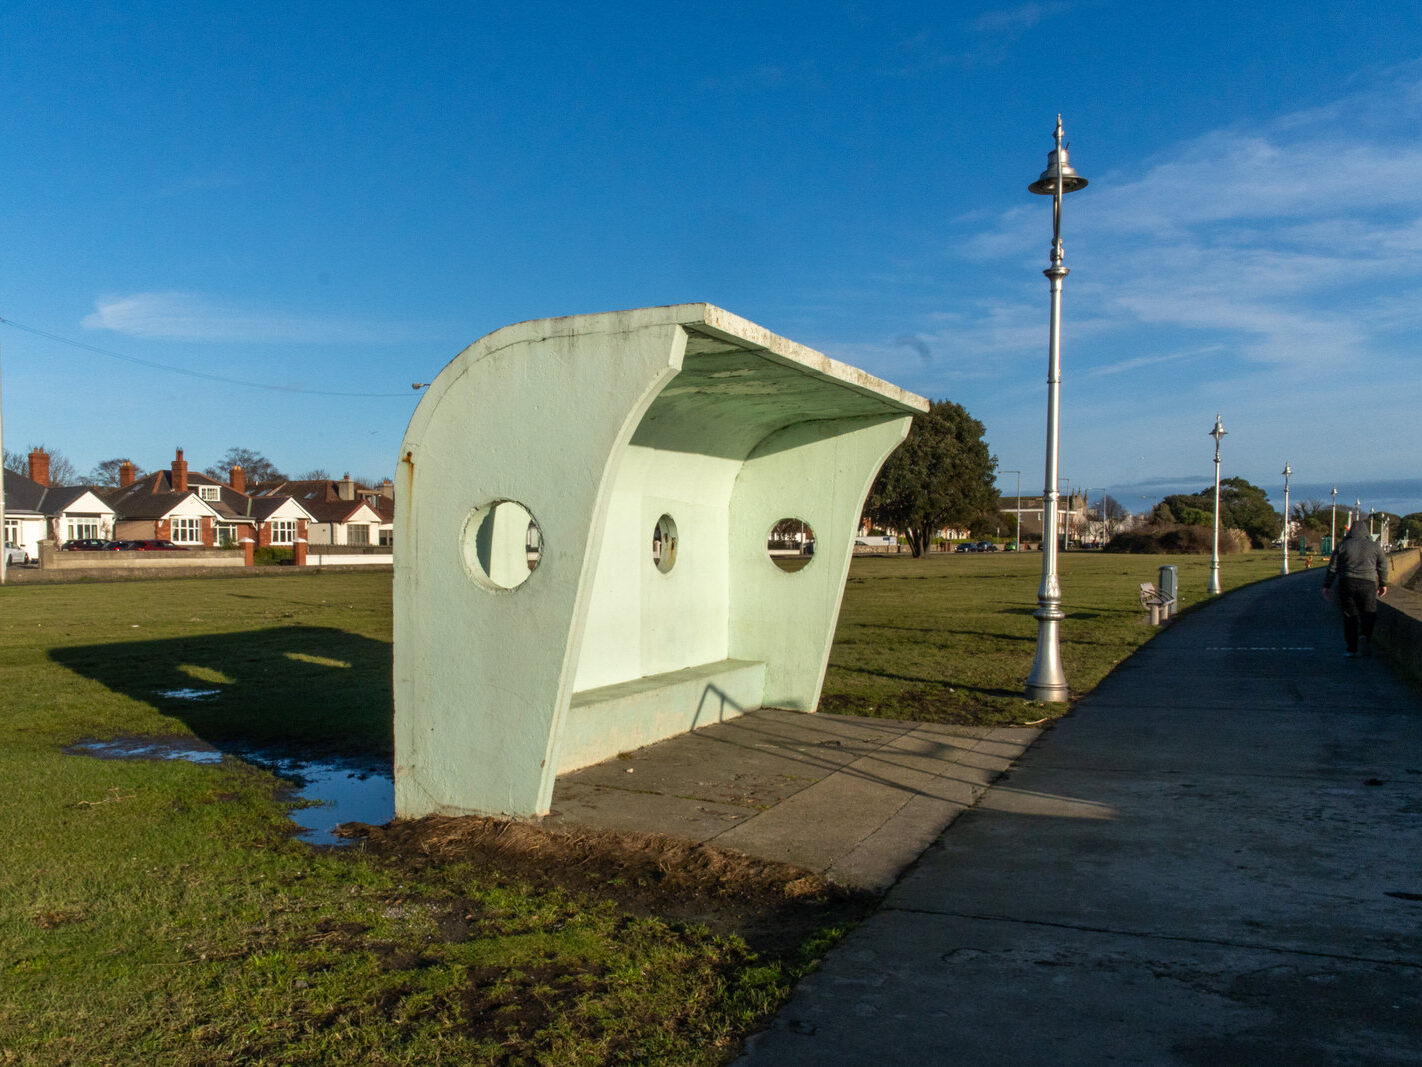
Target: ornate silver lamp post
{"points": [[1333, 523], [1214, 589], [1047, 681], [1287, 471]]}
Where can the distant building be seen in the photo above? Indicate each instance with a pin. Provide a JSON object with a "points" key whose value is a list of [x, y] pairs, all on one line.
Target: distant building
{"points": [[1071, 516]]}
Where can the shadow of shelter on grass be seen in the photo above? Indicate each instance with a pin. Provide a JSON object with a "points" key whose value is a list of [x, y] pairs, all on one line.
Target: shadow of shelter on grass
{"points": [[310, 691]]}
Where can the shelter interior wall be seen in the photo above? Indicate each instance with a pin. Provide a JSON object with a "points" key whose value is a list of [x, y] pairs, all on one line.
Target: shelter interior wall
{"points": [[640, 620]]}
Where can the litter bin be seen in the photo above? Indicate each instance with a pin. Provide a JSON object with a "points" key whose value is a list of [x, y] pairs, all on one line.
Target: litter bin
{"points": [[1169, 587]]}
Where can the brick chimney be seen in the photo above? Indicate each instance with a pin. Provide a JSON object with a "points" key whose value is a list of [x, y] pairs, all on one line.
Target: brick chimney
{"points": [[239, 479], [387, 489], [39, 466], [180, 473], [127, 473], [345, 488]]}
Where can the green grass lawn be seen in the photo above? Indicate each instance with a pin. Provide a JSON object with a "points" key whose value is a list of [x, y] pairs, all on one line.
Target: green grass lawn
{"points": [[161, 912], [951, 637]]}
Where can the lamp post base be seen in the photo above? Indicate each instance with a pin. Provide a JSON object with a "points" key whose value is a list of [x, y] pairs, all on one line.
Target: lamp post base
{"points": [[1047, 694], [1047, 681]]}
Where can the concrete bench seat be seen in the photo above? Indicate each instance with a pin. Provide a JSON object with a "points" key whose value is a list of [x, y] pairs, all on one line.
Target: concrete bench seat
{"points": [[618, 718]]}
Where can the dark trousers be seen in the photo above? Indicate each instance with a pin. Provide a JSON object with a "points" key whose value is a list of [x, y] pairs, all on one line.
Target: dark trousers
{"points": [[1358, 597]]}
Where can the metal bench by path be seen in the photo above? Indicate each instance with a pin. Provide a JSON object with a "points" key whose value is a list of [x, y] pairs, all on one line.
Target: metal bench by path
{"points": [[1159, 604]]}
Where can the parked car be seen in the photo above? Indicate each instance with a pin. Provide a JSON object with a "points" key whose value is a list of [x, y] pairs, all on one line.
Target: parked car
{"points": [[964, 546], [87, 544], [15, 554], [986, 546], [150, 546]]}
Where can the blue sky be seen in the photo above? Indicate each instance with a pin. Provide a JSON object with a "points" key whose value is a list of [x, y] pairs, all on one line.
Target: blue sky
{"points": [[332, 200]]}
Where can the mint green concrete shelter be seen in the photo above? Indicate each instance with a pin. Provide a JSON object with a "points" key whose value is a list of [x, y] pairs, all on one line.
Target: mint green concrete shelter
{"points": [[581, 521]]}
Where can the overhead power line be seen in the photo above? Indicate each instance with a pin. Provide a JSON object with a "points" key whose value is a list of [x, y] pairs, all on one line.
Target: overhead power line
{"points": [[183, 370]]}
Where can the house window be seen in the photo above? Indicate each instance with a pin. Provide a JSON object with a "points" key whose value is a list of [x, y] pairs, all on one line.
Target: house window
{"points": [[283, 531], [187, 531], [82, 528], [12, 532], [387, 538], [209, 492], [357, 535], [227, 534]]}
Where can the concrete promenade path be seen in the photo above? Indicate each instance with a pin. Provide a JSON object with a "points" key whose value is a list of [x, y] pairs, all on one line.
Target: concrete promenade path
{"points": [[1215, 859]]}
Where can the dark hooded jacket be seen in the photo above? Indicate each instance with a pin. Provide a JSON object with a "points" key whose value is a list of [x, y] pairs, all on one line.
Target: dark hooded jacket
{"points": [[1359, 556]]}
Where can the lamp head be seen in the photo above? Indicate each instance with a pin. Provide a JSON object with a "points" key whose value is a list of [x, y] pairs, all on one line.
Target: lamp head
{"points": [[1046, 185], [1219, 430], [1287, 470]]}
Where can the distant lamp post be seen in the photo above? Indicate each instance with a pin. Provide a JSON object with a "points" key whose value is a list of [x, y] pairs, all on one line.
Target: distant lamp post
{"points": [[1214, 590], [1065, 519], [1333, 523], [1018, 542], [1287, 471], [1047, 681]]}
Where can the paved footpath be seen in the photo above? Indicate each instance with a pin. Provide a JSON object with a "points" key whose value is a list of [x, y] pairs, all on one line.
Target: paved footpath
{"points": [[1215, 859]]}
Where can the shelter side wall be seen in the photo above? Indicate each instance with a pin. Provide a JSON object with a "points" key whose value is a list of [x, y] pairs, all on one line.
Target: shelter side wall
{"points": [[819, 472], [482, 677], [642, 620]]}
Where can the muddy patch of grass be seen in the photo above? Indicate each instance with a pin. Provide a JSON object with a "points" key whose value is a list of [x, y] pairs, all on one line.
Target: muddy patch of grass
{"points": [[772, 907]]}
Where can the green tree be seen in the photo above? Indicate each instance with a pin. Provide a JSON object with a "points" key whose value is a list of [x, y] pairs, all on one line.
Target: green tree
{"points": [[1410, 528], [942, 475], [1243, 506]]}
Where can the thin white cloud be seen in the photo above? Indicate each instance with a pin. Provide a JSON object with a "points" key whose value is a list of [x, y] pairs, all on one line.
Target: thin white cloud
{"points": [[983, 41], [187, 317], [1140, 362], [1014, 20]]}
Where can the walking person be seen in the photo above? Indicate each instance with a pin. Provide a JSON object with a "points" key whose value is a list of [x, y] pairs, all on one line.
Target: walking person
{"points": [[1360, 565]]}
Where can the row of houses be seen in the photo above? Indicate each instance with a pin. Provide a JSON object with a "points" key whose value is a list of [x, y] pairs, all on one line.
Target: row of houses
{"points": [[192, 509]]}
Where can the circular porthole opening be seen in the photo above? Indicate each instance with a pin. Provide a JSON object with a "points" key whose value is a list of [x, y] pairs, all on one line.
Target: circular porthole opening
{"points": [[664, 544], [791, 544], [502, 544]]}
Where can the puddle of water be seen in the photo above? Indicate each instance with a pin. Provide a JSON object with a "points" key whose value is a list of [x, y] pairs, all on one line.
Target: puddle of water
{"points": [[188, 694], [341, 790], [185, 748]]}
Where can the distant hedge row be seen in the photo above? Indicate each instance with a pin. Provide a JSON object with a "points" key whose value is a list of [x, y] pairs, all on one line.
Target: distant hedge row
{"points": [[1171, 539]]}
